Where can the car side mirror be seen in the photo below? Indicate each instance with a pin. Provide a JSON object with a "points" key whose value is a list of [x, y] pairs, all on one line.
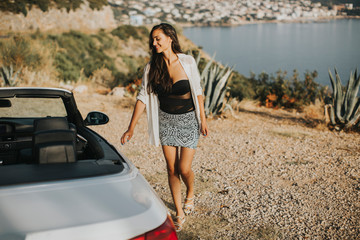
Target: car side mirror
{"points": [[96, 118]]}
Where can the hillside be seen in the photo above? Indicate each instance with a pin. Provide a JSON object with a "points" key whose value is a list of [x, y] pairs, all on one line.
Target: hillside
{"points": [[108, 58], [29, 16]]}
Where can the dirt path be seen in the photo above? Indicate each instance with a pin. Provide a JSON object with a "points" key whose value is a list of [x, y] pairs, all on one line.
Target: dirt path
{"points": [[265, 175]]}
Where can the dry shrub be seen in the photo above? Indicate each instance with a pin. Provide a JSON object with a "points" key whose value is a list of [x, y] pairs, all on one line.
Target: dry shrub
{"points": [[134, 87], [103, 91], [32, 58], [314, 111], [315, 116], [270, 99], [126, 102], [244, 105], [44, 78], [103, 77]]}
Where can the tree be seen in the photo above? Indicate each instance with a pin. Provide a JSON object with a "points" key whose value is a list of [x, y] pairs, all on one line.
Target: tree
{"points": [[23, 6]]}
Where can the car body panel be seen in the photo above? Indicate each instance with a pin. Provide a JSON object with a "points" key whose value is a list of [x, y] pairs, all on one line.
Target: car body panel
{"points": [[114, 204], [76, 208]]}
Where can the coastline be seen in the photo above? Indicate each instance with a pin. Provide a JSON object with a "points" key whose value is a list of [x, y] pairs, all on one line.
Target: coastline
{"points": [[298, 20], [255, 56]]}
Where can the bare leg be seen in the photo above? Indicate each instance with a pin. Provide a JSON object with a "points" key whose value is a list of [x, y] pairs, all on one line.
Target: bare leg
{"points": [[172, 162], [187, 174]]}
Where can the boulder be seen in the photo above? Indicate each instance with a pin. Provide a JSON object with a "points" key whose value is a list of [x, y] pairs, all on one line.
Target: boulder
{"points": [[118, 92], [80, 89]]}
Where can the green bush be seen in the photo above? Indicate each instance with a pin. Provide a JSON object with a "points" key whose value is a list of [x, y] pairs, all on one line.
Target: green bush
{"points": [[23, 6], [96, 4], [78, 52], [106, 41], [241, 87], [18, 52], [280, 91], [124, 32], [143, 33]]}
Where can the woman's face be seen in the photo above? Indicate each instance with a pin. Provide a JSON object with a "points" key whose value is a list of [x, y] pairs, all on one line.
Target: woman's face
{"points": [[161, 41]]}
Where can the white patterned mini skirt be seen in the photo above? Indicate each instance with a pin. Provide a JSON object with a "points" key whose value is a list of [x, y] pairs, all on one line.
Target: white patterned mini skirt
{"points": [[180, 130]]}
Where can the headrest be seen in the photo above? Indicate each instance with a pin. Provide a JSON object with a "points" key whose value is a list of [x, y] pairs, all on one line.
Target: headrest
{"points": [[51, 123]]}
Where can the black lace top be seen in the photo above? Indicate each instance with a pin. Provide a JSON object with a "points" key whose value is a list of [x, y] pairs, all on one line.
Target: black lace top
{"points": [[178, 100]]}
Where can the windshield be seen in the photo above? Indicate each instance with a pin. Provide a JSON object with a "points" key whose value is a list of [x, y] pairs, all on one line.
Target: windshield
{"points": [[31, 107]]}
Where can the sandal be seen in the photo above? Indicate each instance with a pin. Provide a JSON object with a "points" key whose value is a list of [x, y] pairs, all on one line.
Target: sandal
{"points": [[189, 205], [179, 225]]}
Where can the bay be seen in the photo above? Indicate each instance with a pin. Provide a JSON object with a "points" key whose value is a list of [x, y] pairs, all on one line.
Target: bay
{"points": [[269, 47]]}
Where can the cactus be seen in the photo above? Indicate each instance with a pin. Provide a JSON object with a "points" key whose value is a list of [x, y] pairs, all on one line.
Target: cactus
{"points": [[214, 80], [9, 75], [344, 111]]}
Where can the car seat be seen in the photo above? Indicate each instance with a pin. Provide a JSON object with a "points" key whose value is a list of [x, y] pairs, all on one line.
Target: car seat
{"points": [[53, 141]]}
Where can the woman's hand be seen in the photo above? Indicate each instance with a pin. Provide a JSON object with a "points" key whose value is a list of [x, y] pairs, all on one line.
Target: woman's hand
{"points": [[204, 129], [126, 137], [138, 109]]}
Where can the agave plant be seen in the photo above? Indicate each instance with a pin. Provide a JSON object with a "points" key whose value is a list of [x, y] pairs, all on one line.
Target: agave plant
{"points": [[214, 80], [9, 75], [344, 111]]}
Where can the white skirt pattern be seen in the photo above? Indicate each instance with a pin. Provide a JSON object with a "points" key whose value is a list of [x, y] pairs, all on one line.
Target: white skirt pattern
{"points": [[180, 130]]}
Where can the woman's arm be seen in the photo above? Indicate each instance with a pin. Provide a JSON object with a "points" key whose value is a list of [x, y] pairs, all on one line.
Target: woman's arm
{"points": [[138, 110], [141, 101], [203, 128]]}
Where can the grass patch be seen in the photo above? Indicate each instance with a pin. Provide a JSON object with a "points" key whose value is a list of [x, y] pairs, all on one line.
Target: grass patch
{"points": [[265, 233], [105, 41], [19, 52], [78, 52], [133, 153], [128, 102], [126, 31], [202, 227], [298, 162], [204, 184]]}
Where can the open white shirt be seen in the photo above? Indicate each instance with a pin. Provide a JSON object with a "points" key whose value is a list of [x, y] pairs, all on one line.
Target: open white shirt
{"points": [[152, 103]]}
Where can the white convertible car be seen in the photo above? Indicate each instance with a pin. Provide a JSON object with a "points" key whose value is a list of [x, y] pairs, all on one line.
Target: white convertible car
{"points": [[61, 180]]}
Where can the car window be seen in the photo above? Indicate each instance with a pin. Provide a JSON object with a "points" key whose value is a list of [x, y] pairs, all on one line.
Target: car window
{"points": [[30, 107]]}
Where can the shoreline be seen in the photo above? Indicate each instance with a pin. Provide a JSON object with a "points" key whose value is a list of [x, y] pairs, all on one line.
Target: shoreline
{"points": [[298, 20], [246, 69]]}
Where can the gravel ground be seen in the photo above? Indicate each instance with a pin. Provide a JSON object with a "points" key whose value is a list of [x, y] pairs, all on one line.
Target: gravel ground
{"points": [[265, 174]]}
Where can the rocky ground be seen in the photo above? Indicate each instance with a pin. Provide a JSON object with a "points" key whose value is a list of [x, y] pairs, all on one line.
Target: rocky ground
{"points": [[266, 174]]}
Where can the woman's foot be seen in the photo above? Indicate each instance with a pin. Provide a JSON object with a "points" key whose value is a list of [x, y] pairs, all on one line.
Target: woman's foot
{"points": [[189, 205], [178, 223]]}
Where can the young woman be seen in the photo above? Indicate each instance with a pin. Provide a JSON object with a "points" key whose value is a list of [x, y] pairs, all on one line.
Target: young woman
{"points": [[172, 96]]}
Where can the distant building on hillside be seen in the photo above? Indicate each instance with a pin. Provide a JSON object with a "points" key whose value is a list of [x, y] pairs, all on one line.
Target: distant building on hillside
{"points": [[136, 20], [349, 6]]}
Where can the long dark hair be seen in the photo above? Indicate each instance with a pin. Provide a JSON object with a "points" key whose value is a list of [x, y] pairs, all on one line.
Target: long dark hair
{"points": [[159, 73]]}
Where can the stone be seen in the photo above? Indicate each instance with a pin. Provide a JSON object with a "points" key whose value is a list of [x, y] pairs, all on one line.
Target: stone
{"points": [[80, 89], [118, 92]]}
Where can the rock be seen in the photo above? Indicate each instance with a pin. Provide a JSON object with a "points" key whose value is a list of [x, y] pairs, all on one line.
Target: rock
{"points": [[66, 86], [80, 89], [118, 92], [84, 18], [103, 91]]}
